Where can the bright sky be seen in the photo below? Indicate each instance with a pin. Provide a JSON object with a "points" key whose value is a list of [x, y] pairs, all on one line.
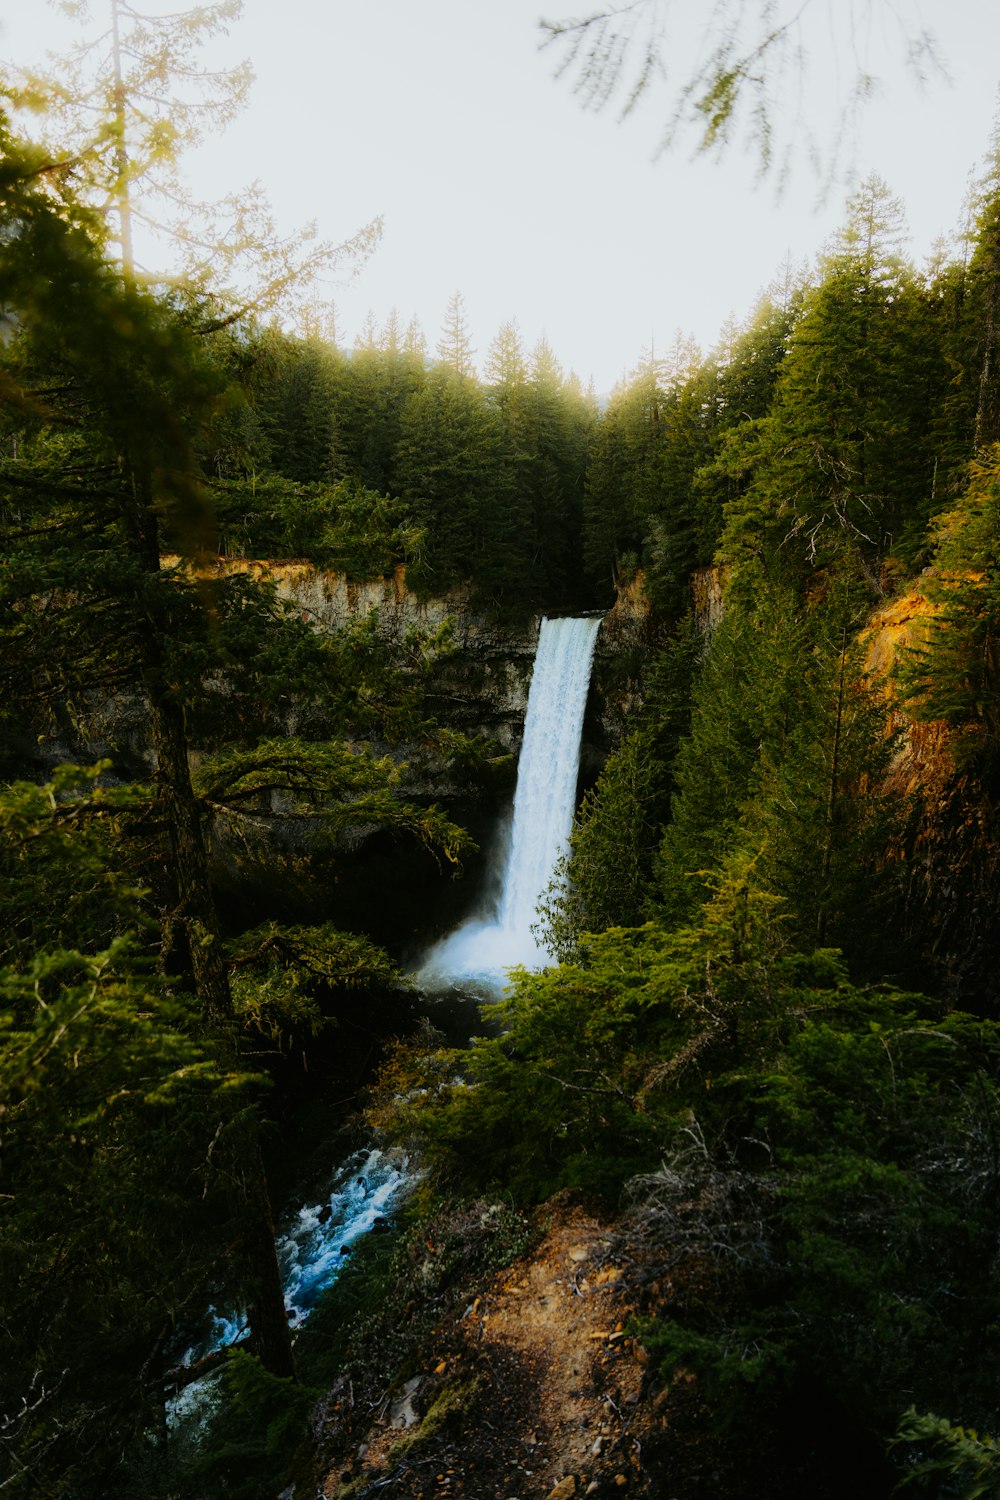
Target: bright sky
{"points": [[443, 117]]}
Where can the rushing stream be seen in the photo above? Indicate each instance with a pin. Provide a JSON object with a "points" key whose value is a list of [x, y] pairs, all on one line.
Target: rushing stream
{"points": [[479, 952], [313, 1241]]}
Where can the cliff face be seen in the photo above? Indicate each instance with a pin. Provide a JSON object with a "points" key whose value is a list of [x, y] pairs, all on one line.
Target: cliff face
{"points": [[924, 757], [950, 856], [482, 685], [707, 590], [479, 687]]}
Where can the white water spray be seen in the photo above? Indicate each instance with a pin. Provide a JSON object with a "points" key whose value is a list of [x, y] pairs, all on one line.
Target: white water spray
{"points": [[312, 1246], [479, 952]]}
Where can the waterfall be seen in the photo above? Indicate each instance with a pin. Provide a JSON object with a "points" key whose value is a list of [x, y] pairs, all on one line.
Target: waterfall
{"points": [[479, 952], [314, 1240]]}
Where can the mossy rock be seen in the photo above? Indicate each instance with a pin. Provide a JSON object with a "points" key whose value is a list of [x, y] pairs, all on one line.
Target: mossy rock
{"points": [[452, 1401]]}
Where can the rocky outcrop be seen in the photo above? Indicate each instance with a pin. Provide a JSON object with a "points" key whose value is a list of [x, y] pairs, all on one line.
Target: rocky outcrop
{"points": [[481, 685], [924, 756], [707, 591], [478, 686], [950, 856], [629, 633]]}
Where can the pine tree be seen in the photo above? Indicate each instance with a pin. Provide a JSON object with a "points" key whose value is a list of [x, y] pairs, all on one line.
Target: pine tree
{"points": [[454, 348], [746, 370], [120, 110], [624, 479], [744, 700], [450, 473], [113, 105], [505, 370], [144, 386], [984, 295], [953, 675], [820, 823], [547, 428], [609, 535], [610, 869], [675, 540], [843, 461]]}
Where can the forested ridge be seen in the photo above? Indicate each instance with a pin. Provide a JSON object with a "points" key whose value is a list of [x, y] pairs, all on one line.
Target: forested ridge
{"points": [[769, 1053]]}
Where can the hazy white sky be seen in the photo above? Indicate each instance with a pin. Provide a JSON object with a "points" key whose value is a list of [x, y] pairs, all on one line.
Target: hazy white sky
{"points": [[443, 116]]}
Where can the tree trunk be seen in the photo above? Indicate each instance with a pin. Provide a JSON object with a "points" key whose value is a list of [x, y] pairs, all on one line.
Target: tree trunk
{"points": [[270, 1337], [831, 797], [182, 811], [196, 912], [122, 191]]}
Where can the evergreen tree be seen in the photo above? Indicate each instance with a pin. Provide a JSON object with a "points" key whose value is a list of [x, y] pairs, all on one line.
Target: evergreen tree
{"points": [[843, 464], [451, 475], [295, 395], [609, 873], [954, 674], [745, 698], [552, 445], [743, 373], [963, 300], [984, 297], [373, 386], [676, 540], [120, 110], [113, 105], [608, 534], [454, 348], [505, 370], [144, 387], [820, 823], [624, 479]]}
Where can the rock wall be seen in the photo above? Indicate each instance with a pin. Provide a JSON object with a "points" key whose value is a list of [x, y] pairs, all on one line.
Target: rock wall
{"points": [[707, 590], [479, 687], [949, 857], [924, 757], [482, 685]]}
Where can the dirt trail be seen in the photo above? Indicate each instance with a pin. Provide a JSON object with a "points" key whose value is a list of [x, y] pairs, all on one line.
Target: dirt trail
{"points": [[533, 1390], [564, 1315]]}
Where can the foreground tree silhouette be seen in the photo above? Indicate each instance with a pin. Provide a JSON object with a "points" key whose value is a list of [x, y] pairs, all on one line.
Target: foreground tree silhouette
{"points": [[135, 384], [744, 73], [120, 110], [126, 102]]}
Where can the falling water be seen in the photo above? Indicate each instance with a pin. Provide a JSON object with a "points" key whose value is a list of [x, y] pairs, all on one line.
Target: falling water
{"points": [[479, 952], [314, 1240]]}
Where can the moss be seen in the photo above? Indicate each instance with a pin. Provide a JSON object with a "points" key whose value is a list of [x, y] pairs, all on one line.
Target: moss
{"points": [[451, 1401]]}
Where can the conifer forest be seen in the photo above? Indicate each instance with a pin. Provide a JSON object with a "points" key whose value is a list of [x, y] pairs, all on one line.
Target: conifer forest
{"points": [[763, 1053]]}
